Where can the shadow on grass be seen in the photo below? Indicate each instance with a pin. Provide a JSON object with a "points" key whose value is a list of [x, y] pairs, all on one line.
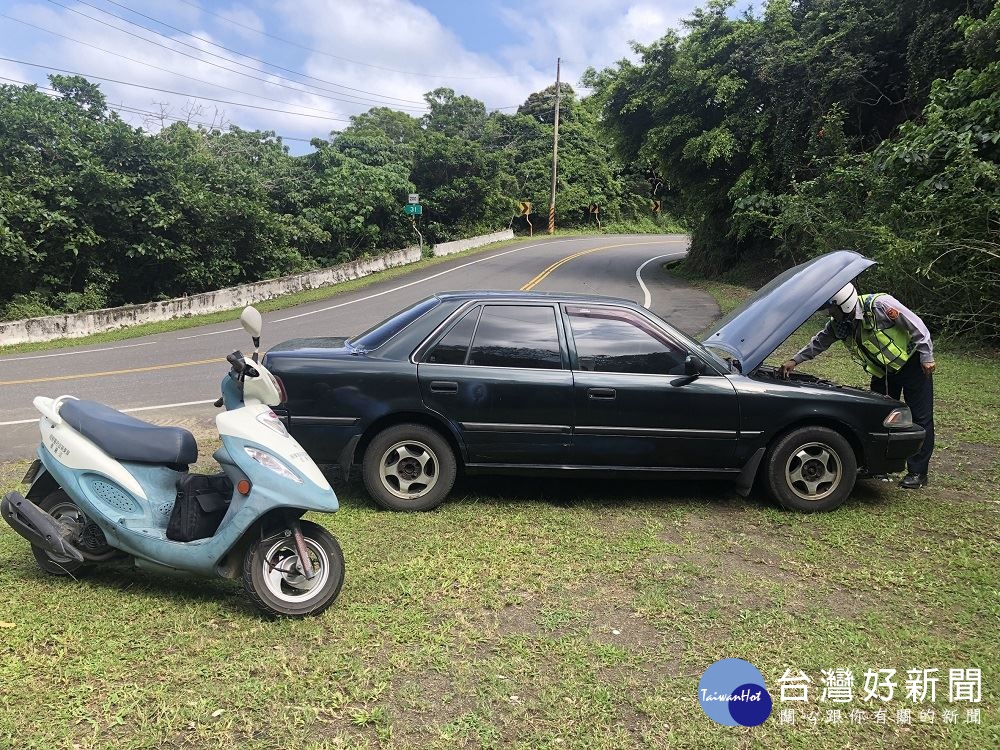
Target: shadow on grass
{"points": [[122, 577], [579, 491]]}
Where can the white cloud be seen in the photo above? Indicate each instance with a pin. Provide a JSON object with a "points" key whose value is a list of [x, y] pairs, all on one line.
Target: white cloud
{"points": [[587, 32], [408, 52], [242, 18], [403, 49]]}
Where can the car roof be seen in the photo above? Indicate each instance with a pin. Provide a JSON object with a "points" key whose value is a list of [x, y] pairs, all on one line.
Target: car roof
{"points": [[493, 294]]}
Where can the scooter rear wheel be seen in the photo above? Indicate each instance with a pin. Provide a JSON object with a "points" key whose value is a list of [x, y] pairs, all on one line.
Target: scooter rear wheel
{"points": [[274, 579], [58, 505]]}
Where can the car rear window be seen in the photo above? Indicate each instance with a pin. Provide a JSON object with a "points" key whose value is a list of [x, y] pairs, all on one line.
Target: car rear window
{"points": [[453, 348], [374, 337], [516, 336]]}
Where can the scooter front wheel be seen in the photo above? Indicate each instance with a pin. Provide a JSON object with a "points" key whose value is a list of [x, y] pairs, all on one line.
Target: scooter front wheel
{"points": [[275, 578]]}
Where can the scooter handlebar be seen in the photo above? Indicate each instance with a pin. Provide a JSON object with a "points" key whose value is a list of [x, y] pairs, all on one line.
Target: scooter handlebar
{"points": [[240, 366]]}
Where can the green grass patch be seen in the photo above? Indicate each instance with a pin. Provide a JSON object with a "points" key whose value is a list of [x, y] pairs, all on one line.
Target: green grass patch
{"points": [[540, 614]]}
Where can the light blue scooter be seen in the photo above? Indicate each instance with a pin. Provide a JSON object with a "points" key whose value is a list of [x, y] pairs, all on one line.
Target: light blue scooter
{"points": [[106, 485]]}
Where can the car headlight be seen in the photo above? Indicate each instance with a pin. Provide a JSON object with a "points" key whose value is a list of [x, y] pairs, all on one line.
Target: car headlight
{"points": [[268, 461], [900, 417]]}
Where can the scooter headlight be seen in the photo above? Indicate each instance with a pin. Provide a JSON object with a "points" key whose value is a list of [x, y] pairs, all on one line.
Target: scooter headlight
{"points": [[268, 461], [273, 422]]}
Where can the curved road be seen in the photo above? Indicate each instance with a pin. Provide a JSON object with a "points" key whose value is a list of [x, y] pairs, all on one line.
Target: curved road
{"points": [[173, 377]]}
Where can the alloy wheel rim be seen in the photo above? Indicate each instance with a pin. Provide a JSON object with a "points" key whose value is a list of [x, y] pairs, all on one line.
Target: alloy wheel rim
{"points": [[283, 575], [409, 469], [814, 471]]}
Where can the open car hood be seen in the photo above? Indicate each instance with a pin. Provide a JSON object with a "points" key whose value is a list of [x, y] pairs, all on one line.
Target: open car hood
{"points": [[758, 327]]}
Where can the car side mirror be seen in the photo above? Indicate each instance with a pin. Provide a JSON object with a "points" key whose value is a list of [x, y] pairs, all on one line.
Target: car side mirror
{"points": [[693, 367]]}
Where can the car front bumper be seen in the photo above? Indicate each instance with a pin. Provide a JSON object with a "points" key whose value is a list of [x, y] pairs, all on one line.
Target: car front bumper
{"points": [[887, 451]]}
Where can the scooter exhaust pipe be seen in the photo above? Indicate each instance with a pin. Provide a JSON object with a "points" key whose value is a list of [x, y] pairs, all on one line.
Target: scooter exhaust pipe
{"points": [[37, 526]]}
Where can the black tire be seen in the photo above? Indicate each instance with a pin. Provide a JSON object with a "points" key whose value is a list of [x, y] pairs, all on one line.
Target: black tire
{"points": [[286, 594], [810, 469], [409, 467], [58, 504]]}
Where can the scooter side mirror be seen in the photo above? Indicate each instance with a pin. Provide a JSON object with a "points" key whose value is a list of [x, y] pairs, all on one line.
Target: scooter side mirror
{"points": [[252, 322]]}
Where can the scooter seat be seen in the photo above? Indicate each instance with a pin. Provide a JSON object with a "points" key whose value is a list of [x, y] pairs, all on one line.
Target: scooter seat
{"points": [[127, 438]]}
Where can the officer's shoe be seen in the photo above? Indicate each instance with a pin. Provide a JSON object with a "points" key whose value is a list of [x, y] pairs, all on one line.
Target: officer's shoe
{"points": [[913, 481]]}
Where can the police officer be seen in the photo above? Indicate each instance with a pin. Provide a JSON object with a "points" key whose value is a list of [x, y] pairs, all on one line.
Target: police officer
{"points": [[892, 343]]}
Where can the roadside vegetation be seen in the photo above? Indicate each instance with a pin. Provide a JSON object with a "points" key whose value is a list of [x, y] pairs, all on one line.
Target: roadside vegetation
{"points": [[803, 127], [96, 213], [542, 614]]}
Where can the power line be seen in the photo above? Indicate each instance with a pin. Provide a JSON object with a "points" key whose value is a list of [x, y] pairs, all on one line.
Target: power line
{"points": [[159, 115], [338, 57], [360, 100], [232, 51], [175, 93], [172, 72]]}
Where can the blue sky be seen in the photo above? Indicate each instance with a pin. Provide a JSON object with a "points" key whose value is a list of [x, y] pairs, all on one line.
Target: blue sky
{"points": [[201, 59]]}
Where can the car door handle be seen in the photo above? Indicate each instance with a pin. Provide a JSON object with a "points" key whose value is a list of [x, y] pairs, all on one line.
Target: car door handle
{"points": [[444, 386], [604, 394]]}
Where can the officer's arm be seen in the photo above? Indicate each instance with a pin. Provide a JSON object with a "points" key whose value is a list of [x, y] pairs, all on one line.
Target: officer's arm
{"points": [[891, 311], [819, 344]]}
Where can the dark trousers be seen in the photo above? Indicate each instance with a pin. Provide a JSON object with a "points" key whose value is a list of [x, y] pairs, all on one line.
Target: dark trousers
{"points": [[918, 393]]}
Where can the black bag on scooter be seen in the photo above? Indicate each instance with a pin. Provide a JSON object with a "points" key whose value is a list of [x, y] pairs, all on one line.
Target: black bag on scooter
{"points": [[202, 501]]}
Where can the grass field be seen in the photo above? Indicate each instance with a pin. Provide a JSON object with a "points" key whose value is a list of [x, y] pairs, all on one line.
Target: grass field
{"points": [[544, 614]]}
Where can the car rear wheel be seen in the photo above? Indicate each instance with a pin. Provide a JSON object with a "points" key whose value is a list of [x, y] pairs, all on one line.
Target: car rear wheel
{"points": [[811, 469], [409, 467]]}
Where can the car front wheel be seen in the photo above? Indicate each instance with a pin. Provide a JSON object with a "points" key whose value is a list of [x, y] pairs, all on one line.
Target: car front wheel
{"points": [[409, 467], [811, 469]]}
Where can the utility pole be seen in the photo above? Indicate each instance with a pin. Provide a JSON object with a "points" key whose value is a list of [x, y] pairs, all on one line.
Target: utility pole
{"points": [[555, 156]]}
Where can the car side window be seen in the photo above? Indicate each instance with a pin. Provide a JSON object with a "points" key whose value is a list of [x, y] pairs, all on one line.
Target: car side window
{"points": [[517, 336], [615, 340], [451, 349]]}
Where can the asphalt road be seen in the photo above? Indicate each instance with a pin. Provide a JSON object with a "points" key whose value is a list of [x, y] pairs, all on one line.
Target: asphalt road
{"points": [[172, 378]]}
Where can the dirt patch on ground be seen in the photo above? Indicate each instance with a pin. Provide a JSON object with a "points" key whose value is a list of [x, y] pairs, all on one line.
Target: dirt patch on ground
{"points": [[609, 619], [965, 467]]}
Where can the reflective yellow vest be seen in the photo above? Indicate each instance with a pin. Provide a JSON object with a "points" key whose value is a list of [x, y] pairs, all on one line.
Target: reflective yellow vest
{"points": [[878, 349]]}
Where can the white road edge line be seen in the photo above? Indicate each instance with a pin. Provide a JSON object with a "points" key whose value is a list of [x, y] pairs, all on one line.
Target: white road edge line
{"points": [[429, 278], [404, 286], [133, 409], [647, 299], [379, 294], [210, 333], [70, 354]]}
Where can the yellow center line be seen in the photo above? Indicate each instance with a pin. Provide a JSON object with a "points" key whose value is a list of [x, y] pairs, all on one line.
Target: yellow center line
{"points": [[112, 372], [544, 274]]}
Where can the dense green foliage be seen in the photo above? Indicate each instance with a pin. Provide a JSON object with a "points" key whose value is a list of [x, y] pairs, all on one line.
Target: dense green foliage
{"points": [[808, 126], [823, 124], [94, 212]]}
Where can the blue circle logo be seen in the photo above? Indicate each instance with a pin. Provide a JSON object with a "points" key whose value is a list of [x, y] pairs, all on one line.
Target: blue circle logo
{"points": [[732, 692]]}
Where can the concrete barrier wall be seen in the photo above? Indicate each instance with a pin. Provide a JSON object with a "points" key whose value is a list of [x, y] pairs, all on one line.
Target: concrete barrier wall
{"points": [[110, 319], [447, 248]]}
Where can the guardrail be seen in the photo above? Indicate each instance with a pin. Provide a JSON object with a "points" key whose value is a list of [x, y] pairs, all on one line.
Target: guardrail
{"points": [[109, 319]]}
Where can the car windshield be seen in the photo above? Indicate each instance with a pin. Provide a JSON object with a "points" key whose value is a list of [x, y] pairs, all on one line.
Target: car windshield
{"points": [[378, 334]]}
